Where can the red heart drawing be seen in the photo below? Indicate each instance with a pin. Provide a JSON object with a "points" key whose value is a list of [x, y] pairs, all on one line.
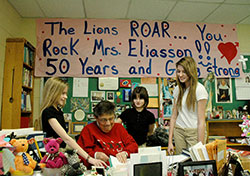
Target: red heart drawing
{"points": [[228, 50]]}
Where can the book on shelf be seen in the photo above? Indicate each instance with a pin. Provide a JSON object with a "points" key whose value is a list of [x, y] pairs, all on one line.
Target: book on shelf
{"points": [[28, 103], [28, 57], [213, 138], [27, 77], [25, 101], [22, 101], [24, 122]]}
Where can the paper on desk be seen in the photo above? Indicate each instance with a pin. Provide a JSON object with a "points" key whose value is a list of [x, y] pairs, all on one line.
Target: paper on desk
{"points": [[8, 160], [117, 164], [171, 159]]}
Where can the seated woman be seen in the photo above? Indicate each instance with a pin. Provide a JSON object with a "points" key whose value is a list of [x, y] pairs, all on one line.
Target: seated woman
{"points": [[104, 137]]}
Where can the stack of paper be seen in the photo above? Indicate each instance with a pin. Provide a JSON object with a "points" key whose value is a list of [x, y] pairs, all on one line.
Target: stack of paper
{"points": [[198, 152], [174, 159]]}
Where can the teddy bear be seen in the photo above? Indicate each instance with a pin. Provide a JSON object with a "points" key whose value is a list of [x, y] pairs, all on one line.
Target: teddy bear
{"points": [[23, 161], [53, 158], [74, 166]]}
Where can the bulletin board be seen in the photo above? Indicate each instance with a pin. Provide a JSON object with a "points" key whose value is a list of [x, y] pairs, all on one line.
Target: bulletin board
{"points": [[75, 106], [235, 102]]}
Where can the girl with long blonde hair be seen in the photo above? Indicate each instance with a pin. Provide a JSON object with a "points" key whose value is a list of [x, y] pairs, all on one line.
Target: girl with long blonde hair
{"points": [[53, 123], [187, 123]]}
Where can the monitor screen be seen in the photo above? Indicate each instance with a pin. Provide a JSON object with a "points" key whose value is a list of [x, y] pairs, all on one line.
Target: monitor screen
{"points": [[148, 169]]}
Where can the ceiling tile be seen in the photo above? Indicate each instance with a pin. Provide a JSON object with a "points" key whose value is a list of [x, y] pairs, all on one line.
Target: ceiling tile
{"points": [[62, 8], [191, 12], [210, 11], [237, 1], [245, 21], [150, 9], [208, 1], [27, 8], [112, 9], [229, 14]]}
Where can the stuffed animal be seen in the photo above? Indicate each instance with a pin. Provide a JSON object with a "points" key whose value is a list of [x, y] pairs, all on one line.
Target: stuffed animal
{"points": [[23, 161], [74, 166], [53, 158]]}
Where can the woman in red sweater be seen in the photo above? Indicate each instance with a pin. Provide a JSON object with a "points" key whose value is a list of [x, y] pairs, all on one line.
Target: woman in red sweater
{"points": [[104, 137]]}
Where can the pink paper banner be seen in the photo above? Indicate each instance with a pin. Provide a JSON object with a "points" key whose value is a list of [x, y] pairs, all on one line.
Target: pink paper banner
{"points": [[133, 48]]}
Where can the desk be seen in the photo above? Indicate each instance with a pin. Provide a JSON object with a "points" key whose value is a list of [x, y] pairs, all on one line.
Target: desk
{"points": [[238, 146]]}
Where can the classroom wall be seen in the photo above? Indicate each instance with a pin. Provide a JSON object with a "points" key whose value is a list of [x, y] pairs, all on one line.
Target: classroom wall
{"points": [[243, 32], [12, 25]]}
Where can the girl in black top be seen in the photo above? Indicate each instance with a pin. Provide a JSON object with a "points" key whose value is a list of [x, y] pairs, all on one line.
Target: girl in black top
{"points": [[53, 123], [138, 120]]}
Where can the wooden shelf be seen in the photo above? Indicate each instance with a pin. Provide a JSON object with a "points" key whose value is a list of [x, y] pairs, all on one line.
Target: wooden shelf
{"points": [[27, 88], [224, 127], [27, 66], [15, 70], [227, 128], [223, 120]]}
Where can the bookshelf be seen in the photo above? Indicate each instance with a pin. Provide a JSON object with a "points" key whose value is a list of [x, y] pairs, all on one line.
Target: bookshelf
{"points": [[17, 99], [227, 128]]}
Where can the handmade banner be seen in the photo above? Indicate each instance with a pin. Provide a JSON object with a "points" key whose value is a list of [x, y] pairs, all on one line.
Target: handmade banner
{"points": [[133, 48]]}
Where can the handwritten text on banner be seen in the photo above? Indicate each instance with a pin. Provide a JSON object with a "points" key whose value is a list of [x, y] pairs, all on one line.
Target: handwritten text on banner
{"points": [[133, 48]]}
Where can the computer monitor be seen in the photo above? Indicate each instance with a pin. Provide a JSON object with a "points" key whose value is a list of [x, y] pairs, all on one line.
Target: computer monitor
{"points": [[148, 169], [146, 159]]}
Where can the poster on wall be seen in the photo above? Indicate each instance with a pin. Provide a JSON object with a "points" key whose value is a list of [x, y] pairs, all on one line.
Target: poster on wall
{"points": [[108, 83], [80, 87], [242, 87], [133, 48], [166, 88]]}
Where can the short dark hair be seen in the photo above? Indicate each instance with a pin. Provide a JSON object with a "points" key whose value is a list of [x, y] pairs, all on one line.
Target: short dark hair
{"points": [[143, 94], [104, 107]]}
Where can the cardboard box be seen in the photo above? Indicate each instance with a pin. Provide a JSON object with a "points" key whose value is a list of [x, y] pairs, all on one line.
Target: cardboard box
{"points": [[245, 163]]}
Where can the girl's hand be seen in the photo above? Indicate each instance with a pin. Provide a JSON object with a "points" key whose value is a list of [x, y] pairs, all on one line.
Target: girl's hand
{"points": [[170, 149], [96, 162]]}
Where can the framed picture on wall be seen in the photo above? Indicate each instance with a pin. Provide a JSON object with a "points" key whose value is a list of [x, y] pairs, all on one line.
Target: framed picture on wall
{"points": [[68, 125], [77, 127], [97, 96], [110, 96], [223, 88], [93, 106]]}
